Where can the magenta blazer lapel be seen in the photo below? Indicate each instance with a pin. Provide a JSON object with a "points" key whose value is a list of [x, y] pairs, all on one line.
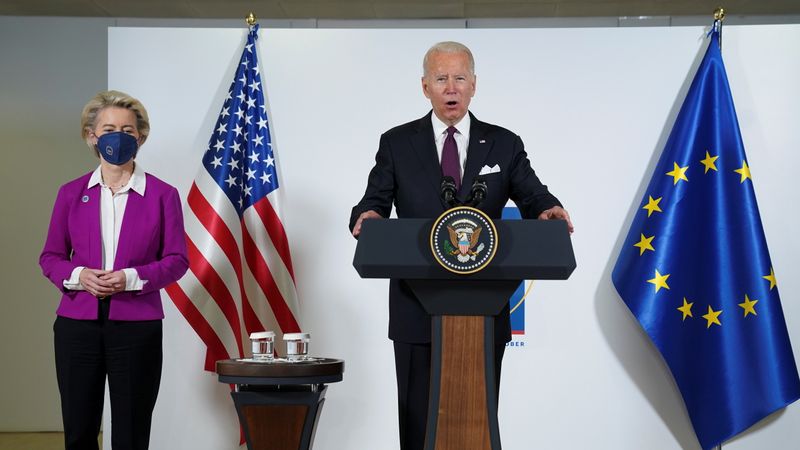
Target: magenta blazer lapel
{"points": [[89, 221]]}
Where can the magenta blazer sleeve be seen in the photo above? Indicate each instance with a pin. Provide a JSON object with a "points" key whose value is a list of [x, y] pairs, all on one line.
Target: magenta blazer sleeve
{"points": [[151, 241]]}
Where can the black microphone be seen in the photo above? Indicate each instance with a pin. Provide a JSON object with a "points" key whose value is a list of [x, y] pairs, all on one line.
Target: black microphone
{"points": [[478, 192], [448, 191]]}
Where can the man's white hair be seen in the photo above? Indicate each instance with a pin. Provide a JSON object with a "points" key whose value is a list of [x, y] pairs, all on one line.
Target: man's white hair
{"points": [[448, 47]]}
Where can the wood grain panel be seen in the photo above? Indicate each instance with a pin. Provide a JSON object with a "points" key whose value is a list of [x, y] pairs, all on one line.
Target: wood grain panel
{"points": [[275, 427], [463, 423]]}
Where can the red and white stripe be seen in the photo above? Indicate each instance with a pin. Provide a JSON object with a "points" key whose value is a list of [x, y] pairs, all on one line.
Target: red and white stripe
{"points": [[240, 277]]}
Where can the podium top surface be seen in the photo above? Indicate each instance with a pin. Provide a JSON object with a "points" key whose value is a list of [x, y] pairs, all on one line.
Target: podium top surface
{"points": [[247, 371], [526, 250]]}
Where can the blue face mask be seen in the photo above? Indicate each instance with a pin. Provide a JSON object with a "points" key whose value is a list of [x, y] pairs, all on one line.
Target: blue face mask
{"points": [[117, 148]]}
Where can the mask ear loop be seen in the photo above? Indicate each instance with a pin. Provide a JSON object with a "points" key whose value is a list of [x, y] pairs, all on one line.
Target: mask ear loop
{"points": [[94, 137]]}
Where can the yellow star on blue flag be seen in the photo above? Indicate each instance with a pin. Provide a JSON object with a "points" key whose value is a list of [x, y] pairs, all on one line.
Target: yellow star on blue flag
{"points": [[732, 368]]}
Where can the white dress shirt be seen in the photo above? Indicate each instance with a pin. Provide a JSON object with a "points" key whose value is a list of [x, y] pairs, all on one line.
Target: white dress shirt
{"points": [[461, 136], [112, 210]]}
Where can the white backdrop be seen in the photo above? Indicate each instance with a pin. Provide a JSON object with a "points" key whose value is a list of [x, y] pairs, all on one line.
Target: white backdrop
{"points": [[593, 105]]}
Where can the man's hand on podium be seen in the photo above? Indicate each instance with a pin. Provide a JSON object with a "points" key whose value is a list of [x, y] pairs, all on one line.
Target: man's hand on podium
{"points": [[556, 212], [365, 215]]}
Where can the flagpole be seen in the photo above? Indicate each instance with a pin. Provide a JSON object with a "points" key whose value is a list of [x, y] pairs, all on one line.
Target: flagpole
{"points": [[719, 16]]}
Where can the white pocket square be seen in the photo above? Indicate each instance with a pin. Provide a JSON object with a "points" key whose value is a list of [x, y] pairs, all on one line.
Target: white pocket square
{"points": [[486, 170]]}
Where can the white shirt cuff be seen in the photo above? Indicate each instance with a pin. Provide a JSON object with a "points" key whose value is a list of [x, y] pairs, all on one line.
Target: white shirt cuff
{"points": [[74, 281], [132, 280]]}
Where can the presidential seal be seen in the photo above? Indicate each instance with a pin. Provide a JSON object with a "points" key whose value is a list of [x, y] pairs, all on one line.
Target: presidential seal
{"points": [[463, 240]]}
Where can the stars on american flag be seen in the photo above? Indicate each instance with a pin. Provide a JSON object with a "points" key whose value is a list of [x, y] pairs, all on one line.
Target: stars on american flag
{"points": [[239, 155]]}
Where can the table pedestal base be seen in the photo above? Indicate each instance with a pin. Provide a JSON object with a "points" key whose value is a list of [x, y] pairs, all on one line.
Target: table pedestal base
{"points": [[279, 417]]}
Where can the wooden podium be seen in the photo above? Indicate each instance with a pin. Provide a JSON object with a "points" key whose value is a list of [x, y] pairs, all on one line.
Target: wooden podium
{"points": [[462, 409], [279, 404]]}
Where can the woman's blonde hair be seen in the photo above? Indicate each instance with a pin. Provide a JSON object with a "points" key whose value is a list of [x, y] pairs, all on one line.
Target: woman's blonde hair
{"points": [[117, 99]]}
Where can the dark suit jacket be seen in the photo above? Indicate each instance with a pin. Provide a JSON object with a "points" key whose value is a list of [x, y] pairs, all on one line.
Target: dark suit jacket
{"points": [[408, 174]]}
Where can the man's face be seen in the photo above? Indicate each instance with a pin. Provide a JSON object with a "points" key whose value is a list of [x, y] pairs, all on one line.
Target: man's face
{"points": [[449, 84]]}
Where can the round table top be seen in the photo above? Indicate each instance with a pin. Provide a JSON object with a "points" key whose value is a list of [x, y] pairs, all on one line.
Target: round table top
{"points": [[316, 367]]}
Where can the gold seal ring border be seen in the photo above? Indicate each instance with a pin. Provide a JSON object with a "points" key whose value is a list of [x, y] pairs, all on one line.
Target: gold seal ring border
{"points": [[486, 218]]}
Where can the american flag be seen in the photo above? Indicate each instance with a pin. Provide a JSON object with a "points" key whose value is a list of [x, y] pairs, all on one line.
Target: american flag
{"points": [[240, 277]]}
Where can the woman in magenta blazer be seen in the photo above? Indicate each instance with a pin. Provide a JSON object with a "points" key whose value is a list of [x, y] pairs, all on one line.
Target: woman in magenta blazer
{"points": [[115, 239]]}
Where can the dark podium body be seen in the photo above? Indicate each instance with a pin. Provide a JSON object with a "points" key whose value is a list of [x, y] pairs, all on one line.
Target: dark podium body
{"points": [[462, 410], [279, 404]]}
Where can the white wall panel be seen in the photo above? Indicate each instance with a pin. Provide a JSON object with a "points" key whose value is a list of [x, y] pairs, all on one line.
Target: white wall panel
{"points": [[594, 106]]}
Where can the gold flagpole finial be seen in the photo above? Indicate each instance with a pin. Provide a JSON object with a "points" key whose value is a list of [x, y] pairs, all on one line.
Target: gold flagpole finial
{"points": [[719, 16], [250, 19]]}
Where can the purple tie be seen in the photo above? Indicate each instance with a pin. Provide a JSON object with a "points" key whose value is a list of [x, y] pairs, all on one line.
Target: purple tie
{"points": [[451, 166]]}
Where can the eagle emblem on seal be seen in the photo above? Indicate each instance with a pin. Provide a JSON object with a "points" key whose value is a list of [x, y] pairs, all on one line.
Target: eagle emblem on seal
{"points": [[463, 240], [464, 236]]}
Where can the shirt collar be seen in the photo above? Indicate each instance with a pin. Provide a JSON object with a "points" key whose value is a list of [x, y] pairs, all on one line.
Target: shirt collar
{"points": [[440, 127], [137, 183]]}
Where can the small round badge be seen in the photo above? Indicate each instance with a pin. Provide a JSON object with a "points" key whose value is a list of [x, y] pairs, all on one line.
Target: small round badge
{"points": [[85, 199], [463, 240]]}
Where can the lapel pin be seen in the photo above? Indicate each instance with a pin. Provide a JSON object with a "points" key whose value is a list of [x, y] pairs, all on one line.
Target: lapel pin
{"points": [[85, 199], [482, 141]]}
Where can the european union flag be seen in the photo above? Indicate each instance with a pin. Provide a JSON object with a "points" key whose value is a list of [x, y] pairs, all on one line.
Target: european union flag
{"points": [[696, 273]]}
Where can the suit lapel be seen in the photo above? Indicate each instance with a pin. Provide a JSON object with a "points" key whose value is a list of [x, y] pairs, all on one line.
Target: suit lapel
{"points": [[478, 149], [425, 148]]}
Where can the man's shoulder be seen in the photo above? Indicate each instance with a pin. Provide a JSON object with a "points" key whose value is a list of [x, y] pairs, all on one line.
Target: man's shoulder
{"points": [[412, 127], [490, 129]]}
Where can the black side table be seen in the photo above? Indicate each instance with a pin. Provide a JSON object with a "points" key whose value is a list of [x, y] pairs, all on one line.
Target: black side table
{"points": [[279, 403]]}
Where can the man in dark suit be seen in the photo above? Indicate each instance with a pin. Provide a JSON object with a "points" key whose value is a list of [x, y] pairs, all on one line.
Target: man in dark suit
{"points": [[409, 165]]}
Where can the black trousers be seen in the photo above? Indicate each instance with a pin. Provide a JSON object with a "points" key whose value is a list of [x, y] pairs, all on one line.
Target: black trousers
{"points": [[129, 354], [412, 362]]}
